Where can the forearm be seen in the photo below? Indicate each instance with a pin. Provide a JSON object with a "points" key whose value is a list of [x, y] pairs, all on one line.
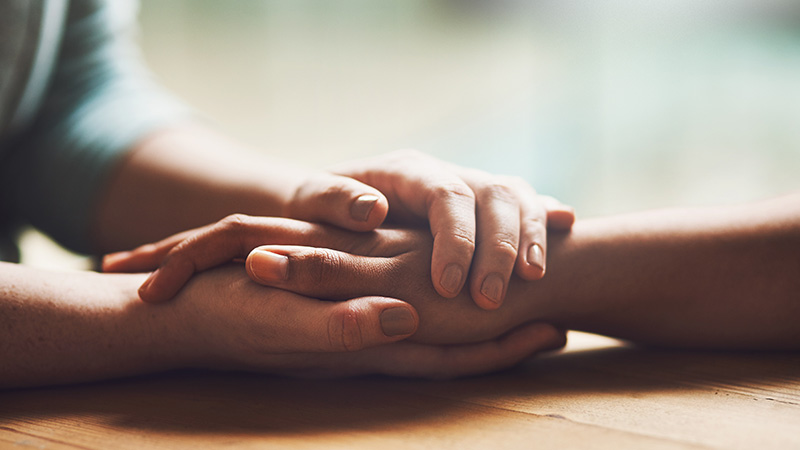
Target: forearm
{"points": [[185, 177], [64, 327], [717, 278]]}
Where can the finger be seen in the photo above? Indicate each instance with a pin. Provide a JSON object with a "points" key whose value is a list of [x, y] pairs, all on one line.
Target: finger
{"points": [[499, 354], [451, 211], [228, 239], [410, 359], [559, 215], [532, 255], [145, 257], [449, 205], [309, 325], [421, 187], [340, 201], [498, 221], [320, 272]]}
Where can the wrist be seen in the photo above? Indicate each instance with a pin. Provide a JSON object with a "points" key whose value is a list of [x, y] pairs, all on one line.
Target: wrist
{"points": [[580, 282], [156, 333], [553, 298], [152, 337]]}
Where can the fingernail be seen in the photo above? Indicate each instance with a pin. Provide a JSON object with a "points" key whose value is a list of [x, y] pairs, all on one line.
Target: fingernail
{"points": [[362, 206], [397, 321], [492, 287], [268, 266], [535, 256], [451, 278]]}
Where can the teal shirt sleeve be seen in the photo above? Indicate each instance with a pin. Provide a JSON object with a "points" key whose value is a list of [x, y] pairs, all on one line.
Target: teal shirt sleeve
{"points": [[100, 102]]}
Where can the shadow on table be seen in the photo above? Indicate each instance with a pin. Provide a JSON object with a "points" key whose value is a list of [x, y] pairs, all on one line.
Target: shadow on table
{"points": [[635, 370], [198, 402]]}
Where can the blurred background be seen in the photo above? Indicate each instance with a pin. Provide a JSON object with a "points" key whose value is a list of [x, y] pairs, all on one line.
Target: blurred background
{"points": [[611, 106]]}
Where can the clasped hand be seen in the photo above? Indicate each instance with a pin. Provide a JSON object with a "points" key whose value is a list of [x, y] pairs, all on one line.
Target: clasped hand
{"points": [[388, 284]]}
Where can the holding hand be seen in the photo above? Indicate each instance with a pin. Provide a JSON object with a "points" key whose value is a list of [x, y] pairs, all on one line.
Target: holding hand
{"points": [[483, 226], [324, 262], [392, 263], [223, 320], [182, 255]]}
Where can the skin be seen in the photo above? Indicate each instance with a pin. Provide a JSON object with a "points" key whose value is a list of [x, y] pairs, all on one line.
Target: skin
{"points": [[188, 176], [720, 278], [57, 328], [717, 278], [67, 327]]}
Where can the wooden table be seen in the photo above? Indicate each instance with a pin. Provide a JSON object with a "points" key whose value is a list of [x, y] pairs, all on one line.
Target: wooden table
{"points": [[597, 394]]}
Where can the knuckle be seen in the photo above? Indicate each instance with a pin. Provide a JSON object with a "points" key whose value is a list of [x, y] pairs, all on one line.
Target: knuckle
{"points": [[178, 255], [324, 265], [331, 191], [463, 237], [505, 246], [448, 192], [184, 245], [457, 238], [534, 223], [344, 330], [174, 256], [232, 230], [497, 191], [235, 222]]}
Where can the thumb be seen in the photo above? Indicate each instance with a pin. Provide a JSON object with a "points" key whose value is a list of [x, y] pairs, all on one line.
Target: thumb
{"points": [[366, 322], [340, 201]]}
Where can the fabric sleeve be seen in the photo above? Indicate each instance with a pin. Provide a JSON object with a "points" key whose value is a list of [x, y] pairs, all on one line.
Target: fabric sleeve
{"points": [[100, 102]]}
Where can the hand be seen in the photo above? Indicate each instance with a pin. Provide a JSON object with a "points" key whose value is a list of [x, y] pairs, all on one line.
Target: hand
{"points": [[392, 263], [344, 265], [183, 254], [499, 219], [419, 188], [226, 310], [408, 359], [232, 323]]}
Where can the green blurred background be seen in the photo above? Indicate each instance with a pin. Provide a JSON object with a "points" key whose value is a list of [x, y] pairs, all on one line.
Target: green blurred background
{"points": [[611, 106]]}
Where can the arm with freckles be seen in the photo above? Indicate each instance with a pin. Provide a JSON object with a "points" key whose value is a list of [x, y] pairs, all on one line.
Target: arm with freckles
{"points": [[723, 278]]}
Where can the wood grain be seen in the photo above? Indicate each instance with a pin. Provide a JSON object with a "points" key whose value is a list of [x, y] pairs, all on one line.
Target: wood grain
{"points": [[597, 394]]}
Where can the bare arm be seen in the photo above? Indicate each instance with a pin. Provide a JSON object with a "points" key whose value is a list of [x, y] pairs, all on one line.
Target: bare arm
{"points": [[722, 277], [188, 176], [74, 326], [185, 177], [726, 277], [67, 327]]}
